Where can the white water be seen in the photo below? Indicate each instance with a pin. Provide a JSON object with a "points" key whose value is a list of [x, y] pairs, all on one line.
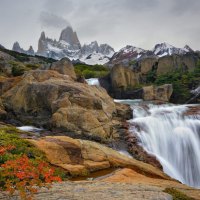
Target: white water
{"points": [[172, 138], [29, 128], [93, 81]]}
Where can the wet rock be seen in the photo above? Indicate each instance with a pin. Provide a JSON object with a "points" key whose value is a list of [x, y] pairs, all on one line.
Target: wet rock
{"points": [[160, 93]]}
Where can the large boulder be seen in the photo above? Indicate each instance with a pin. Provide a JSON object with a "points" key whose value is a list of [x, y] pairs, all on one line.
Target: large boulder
{"points": [[129, 176], [83, 156], [47, 98], [63, 66], [123, 78], [176, 62], [147, 64], [8, 83], [160, 93]]}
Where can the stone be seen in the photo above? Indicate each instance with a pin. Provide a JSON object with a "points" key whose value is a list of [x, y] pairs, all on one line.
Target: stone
{"points": [[160, 93], [48, 98], [123, 78], [176, 62], [133, 177], [64, 66], [83, 156], [147, 64], [96, 190], [8, 83]]}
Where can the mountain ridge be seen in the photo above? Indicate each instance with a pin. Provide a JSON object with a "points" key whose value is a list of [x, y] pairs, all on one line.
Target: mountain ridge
{"points": [[93, 53]]}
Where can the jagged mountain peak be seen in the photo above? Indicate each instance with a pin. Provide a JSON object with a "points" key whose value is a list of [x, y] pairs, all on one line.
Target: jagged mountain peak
{"points": [[69, 36], [42, 36], [16, 45], [130, 48], [187, 48], [17, 48], [164, 49]]}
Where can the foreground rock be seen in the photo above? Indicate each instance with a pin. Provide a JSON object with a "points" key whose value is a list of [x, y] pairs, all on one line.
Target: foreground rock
{"points": [[98, 190], [48, 98], [64, 66], [123, 184], [79, 157], [132, 177]]}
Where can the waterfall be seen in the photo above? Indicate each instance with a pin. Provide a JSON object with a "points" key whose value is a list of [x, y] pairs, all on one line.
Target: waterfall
{"points": [[172, 137], [93, 81]]}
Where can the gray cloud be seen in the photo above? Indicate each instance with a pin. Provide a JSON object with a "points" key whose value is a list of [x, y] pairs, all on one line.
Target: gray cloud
{"points": [[138, 22], [50, 20]]}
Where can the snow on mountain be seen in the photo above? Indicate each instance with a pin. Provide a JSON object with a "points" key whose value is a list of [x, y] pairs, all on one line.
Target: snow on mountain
{"points": [[127, 53], [96, 54], [130, 53], [69, 46], [164, 49], [95, 58]]}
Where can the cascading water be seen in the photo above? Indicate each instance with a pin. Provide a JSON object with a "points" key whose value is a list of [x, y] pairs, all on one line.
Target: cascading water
{"points": [[93, 81], [172, 137]]}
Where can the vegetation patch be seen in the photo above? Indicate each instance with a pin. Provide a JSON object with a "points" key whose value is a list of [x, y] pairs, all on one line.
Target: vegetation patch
{"points": [[91, 71], [183, 82], [177, 195], [23, 167]]}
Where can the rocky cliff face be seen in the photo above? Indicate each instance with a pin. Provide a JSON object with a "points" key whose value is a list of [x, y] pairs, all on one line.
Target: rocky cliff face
{"points": [[122, 83], [69, 36], [69, 46]]}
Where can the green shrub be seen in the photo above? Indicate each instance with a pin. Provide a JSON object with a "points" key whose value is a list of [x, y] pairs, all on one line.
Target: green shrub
{"points": [[32, 66], [22, 146], [151, 76], [18, 70], [88, 71], [182, 83]]}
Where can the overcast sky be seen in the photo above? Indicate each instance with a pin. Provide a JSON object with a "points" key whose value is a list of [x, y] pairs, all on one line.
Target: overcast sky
{"points": [[141, 23]]}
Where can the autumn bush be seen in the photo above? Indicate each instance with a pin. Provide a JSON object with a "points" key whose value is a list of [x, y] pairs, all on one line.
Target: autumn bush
{"points": [[23, 167], [25, 175]]}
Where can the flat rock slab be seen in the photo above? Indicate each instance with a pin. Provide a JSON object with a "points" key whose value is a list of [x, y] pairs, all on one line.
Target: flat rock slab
{"points": [[98, 191]]}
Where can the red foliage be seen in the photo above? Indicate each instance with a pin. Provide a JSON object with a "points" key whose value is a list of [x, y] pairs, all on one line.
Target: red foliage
{"points": [[3, 149], [24, 175]]}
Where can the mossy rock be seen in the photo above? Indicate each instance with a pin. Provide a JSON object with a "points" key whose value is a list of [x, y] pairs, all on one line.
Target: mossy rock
{"points": [[176, 194]]}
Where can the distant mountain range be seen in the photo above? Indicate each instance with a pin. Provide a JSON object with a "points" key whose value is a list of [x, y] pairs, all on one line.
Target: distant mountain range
{"points": [[69, 46]]}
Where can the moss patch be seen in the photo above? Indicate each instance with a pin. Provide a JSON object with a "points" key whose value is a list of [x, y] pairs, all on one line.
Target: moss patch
{"points": [[177, 195], [10, 135]]}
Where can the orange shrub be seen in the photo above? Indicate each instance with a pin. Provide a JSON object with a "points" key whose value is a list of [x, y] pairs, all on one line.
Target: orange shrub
{"points": [[25, 175]]}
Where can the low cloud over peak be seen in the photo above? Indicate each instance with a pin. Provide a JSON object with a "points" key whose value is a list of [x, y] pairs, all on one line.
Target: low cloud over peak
{"points": [[142, 23]]}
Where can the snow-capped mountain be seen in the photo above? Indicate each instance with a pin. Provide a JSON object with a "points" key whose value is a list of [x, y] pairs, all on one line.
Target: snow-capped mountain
{"points": [[164, 49], [69, 46], [131, 53], [16, 47]]}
